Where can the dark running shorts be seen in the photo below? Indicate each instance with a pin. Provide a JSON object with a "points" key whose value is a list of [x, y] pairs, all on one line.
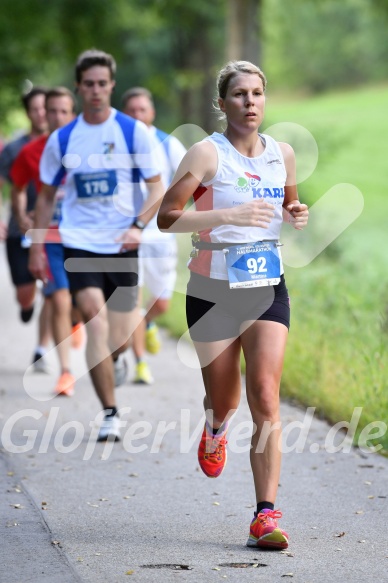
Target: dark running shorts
{"points": [[95, 270], [216, 312], [18, 262]]}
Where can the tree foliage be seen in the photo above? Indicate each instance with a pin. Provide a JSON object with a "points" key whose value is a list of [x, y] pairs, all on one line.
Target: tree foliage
{"points": [[175, 47], [327, 44]]}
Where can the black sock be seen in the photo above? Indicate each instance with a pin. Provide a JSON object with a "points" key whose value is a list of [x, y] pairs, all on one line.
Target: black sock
{"points": [[111, 412], [264, 504], [216, 430]]}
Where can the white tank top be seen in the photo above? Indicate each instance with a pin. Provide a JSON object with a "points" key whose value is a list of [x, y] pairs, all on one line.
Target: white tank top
{"points": [[238, 180]]}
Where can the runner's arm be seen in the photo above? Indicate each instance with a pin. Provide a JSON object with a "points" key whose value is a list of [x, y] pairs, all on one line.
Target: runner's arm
{"points": [[19, 208], [131, 238], [197, 167], [294, 212], [6, 160], [43, 212], [3, 225]]}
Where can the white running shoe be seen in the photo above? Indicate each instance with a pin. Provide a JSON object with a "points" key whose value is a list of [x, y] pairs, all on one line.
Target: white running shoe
{"points": [[39, 363], [110, 429], [121, 370]]}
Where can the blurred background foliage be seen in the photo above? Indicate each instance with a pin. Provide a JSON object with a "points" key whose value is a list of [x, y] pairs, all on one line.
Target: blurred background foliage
{"points": [[175, 47]]}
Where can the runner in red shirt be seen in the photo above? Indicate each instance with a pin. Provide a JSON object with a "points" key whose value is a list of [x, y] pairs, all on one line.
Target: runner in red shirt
{"points": [[60, 105], [17, 254]]}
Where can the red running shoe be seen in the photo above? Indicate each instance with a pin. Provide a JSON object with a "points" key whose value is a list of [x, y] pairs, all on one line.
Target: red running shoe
{"points": [[265, 532], [212, 453], [77, 335], [65, 385]]}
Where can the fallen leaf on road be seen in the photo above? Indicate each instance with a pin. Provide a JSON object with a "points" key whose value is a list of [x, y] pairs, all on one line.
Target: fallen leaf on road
{"points": [[359, 512], [340, 534], [216, 503], [129, 572], [55, 542], [18, 506], [288, 575], [10, 473]]}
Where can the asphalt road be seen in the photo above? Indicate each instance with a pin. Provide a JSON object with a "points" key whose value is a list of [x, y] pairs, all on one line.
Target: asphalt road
{"points": [[141, 510]]}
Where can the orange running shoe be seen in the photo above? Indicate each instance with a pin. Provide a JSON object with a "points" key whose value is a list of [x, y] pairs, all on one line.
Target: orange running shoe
{"points": [[212, 453], [77, 335], [65, 385], [265, 532]]}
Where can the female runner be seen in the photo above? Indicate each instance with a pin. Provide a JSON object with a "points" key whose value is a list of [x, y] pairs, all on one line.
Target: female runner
{"points": [[244, 186]]}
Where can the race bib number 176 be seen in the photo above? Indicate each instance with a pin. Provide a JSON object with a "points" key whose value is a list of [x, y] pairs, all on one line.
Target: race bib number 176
{"points": [[93, 186]]}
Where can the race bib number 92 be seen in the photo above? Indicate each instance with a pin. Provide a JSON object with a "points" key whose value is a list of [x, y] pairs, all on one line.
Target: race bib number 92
{"points": [[253, 264]]}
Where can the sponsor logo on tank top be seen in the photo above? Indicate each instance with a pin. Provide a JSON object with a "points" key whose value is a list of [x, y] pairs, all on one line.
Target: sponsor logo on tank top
{"points": [[245, 183], [251, 182]]}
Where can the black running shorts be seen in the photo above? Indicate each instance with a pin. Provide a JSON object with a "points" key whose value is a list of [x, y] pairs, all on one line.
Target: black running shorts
{"points": [[18, 262], [216, 312], [115, 274]]}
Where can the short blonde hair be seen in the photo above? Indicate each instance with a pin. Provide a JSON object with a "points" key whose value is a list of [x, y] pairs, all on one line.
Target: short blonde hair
{"points": [[225, 76], [234, 68]]}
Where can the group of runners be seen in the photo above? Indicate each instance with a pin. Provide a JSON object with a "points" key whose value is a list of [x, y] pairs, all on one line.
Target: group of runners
{"points": [[60, 319], [109, 172]]}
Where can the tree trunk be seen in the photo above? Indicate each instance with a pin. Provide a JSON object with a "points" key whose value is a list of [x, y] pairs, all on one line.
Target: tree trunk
{"points": [[243, 30]]}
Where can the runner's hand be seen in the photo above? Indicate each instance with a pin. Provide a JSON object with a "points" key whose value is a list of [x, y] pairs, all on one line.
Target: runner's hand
{"points": [[130, 239], [3, 231], [25, 222], [257, 213], [298, 215], [37, 262]]}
